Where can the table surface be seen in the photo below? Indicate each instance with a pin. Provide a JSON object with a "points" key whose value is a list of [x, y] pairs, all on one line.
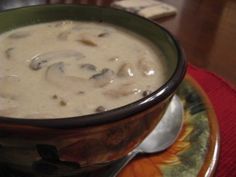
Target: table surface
{"points": [[206, 30]]}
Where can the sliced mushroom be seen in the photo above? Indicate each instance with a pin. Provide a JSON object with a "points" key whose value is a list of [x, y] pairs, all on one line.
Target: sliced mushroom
{"points": [[123, 90], [104, 34], [63, 103], [114, 59], [81, 92], [146, 93], [146, 67], [37, 63], [63, 35], [105, 77], [55, 74], [88, 42], [42, 60], [54, 97], [19, 35], [89, 67], [100, 109], [126, 70], [8, 52]]}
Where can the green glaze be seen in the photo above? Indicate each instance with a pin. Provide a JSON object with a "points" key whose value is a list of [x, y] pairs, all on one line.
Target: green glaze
{"points": [[11, 19], [192, 159]]}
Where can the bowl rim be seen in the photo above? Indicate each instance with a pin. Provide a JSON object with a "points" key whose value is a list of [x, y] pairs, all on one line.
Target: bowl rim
{"points": [[120, 113]]}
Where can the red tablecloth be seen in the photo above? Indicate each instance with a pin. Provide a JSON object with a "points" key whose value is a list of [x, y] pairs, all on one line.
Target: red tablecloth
{"points": [[223, 98]]}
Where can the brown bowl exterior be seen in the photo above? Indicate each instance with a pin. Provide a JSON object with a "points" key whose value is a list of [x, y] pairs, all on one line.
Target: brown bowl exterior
{"points": [[68, 146], [26, 146]]}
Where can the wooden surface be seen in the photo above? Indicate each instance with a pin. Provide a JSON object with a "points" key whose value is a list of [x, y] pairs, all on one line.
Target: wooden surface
{"points": [[206, 30]]}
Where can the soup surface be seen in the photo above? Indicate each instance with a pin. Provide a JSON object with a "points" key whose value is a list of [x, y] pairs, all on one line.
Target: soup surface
{"points": [[69, 68]]}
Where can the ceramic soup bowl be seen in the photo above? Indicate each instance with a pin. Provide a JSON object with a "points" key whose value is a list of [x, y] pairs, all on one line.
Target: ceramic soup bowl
{"points": [[67, 146]]}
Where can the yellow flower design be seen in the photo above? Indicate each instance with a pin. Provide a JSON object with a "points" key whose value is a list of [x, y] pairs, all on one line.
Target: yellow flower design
{"points": [[149, 166]]}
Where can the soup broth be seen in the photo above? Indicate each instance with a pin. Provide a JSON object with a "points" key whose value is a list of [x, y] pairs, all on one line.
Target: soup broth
{"points": [[70, 68]]}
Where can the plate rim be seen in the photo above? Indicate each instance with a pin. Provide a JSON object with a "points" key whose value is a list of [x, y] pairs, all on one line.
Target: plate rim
{"points": [[212, 156]]}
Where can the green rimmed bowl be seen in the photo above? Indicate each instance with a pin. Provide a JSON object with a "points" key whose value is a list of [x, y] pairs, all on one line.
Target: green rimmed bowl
{"points": [[68, 146]]}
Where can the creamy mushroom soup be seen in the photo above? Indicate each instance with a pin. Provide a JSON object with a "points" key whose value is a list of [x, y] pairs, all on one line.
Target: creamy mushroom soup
{"points": [[69, 68]]}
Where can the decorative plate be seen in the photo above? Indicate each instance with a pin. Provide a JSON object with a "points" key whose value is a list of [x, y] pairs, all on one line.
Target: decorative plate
{"points": [[196, 150]]}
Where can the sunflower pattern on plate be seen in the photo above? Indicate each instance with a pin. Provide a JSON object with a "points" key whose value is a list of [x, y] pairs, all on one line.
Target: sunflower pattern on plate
{"points": [[189, 156]]}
